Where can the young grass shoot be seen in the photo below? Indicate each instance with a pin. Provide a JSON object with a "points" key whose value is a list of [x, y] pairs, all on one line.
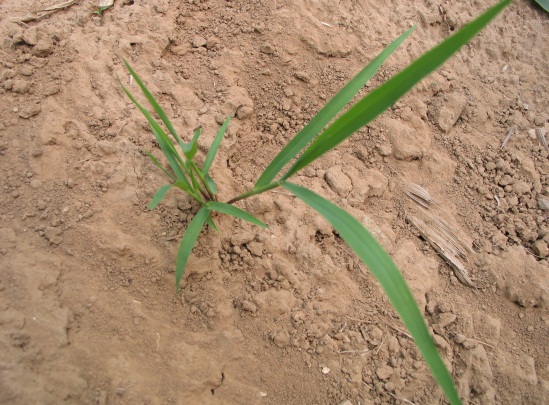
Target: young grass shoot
{"points": [[316, 139]]}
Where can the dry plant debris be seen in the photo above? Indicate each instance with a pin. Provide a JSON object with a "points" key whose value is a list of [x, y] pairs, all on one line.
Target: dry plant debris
{"points": [[447, 240], [38, 15], [418, 194], [508, 136]]}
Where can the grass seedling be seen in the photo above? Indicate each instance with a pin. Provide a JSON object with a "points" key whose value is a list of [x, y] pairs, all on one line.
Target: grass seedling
{"points": [[100, 7], [312, 142]]}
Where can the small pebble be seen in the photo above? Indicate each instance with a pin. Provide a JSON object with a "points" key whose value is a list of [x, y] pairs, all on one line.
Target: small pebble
{"points": [[459, 339], [469, 344], [199, 42]]}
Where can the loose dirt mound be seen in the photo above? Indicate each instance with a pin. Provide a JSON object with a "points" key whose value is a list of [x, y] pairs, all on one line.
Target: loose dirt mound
{"points": [[286, 315]]}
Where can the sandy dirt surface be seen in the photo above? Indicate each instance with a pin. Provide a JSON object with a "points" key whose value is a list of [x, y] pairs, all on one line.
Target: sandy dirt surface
{"points": [[287, 315]]}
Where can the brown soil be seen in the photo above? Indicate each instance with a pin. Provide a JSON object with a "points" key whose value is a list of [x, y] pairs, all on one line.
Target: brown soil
{"points": [[286, 315]]}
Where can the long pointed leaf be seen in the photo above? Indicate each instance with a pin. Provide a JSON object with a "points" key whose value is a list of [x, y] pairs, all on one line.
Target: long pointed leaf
{"points": [[159, 195], [157, 163], [215, 146], [176, 164], [167, 147], [210, 183], [235, 212], [212, 224], [197, 133], [185, 186], [162, 191], [194, 182], [544, 4], [380, 264], [152, 101], [189, 149], [387, 94], [188, 241], [328, 112]]}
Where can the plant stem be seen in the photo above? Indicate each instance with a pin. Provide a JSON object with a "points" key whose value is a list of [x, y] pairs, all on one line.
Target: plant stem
{"points": [[194, 167], [255, 191]]}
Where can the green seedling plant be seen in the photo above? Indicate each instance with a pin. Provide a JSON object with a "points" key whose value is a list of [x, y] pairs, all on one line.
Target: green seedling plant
{"points": [[313, 141], [102, 6]]}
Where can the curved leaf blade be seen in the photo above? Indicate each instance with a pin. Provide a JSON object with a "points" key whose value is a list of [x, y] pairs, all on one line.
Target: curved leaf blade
{"points": [[165, 144], [152, 101], [210, 183], [187, 242], [215, 146], [189, 149], [169, 151], [543, 4], [327, 113], [157, 164], [380, 264], [212, 224], [388, 93], [159, 195], [185, 186], [235, 212]]}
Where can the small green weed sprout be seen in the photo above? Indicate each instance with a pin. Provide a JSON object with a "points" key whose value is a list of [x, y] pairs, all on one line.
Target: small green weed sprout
{"points": [[100, 7], [313, 141]]}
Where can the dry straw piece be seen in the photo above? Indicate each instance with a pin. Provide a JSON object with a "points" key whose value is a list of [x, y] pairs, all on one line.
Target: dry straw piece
{"points": [[447, 240], [38, 15], [418, 194], [509, 135], [541, 136]]}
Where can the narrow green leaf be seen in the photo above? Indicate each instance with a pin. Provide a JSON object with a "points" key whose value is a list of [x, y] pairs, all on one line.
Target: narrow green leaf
{"points": [[388, 93], [159, 195], [152, 101], [162, 191], [165, 144], [215, 146], [256, 190], [328, 112], [380, 264], [213, 225], [157, 163], [544, 4], [174, 160], [197, 133], [201, 186], [194, 182], [185, 186], [189, 149], [168, 151], [210, 183], [188, 241], [235, 212]]}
